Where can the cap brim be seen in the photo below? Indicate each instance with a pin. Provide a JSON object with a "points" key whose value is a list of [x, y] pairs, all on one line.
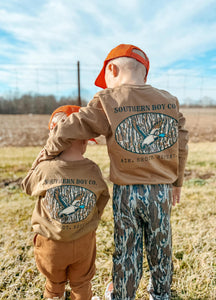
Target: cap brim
{"points": [[100, 80]]}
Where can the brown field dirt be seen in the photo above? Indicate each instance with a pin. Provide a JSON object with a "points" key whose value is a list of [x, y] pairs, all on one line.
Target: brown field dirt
{"points": [[32, 130]]}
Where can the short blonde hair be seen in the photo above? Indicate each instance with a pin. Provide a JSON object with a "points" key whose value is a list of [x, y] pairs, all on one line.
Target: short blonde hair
{"points": [[131, 64]]}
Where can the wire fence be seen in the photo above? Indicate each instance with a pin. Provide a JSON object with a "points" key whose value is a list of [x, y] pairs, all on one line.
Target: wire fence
{"points": [[61, 80]]}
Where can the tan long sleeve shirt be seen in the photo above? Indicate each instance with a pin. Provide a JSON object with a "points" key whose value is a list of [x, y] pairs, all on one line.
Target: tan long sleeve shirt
{"points": [[72, 196], [144, 130]]}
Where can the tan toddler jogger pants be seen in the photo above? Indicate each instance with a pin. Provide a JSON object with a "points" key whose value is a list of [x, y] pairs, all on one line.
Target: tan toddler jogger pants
{"points": [[67, 261]]}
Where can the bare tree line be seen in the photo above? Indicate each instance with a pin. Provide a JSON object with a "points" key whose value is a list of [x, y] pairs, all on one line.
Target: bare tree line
{"points": [[35, 104]]}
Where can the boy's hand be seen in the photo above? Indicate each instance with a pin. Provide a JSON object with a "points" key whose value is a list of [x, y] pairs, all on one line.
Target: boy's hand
{"points": [[176, 194], [41, 157]]}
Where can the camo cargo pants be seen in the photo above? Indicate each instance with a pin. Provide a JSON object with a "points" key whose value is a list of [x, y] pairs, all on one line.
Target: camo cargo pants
{"points": [[142, 212]]}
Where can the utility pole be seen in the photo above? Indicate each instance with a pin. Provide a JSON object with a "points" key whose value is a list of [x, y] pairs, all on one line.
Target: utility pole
{"points": [[78, 80]]}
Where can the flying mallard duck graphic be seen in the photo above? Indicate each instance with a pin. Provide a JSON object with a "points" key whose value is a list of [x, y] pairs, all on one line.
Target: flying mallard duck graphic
{"points": [[69, 209], [154, 133]]}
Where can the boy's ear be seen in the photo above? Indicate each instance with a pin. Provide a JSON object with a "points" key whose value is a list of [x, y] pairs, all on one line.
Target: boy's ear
{"points": [[114, 69]]}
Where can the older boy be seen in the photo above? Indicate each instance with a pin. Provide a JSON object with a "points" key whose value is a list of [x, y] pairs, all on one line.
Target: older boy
{"points": [[147, 146], [72, 196]]}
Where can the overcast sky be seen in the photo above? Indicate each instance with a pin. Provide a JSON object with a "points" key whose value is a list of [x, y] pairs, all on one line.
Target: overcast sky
{"points": [[41, 42]]}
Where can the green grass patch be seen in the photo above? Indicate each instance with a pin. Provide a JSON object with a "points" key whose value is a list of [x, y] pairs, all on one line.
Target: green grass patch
{"points": [[193, 224]]}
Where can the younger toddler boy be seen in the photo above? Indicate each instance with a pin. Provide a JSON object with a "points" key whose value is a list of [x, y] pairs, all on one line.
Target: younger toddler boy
{"points": [[72, 195]]}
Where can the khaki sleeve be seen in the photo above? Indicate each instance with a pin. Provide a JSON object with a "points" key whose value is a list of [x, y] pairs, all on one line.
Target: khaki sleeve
{"points": [[32, 180], [104, 196], [102, 201], [31, 184], [89, 122], [183, 137]]}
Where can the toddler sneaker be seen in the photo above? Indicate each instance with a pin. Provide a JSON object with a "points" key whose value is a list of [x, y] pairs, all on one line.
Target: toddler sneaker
{"points": [[57, 298], [109, 291]]}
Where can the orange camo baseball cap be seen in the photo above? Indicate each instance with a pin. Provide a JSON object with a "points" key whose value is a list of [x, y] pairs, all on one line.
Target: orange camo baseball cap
{"points": [[121, 50], [67, 110]]}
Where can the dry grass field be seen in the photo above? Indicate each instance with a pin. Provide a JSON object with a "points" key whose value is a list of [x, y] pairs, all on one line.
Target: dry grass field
{"points": [[193, 220], [32, 130]]}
